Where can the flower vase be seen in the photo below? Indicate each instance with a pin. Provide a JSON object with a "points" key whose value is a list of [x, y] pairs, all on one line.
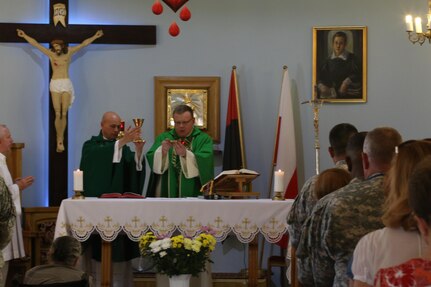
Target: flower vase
{"points": [[182, 280]]}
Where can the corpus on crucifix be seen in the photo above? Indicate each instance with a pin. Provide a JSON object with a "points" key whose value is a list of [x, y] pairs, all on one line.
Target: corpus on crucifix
{"points": [[60, 86]]}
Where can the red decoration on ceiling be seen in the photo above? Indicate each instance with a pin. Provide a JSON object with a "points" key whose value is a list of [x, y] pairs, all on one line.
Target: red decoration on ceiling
{"points": [[157, 7], [175, 4], [174, 30], [185, 14]]}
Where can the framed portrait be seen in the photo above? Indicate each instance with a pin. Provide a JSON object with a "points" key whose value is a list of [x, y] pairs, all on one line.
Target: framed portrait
{"points": [[340, 64], [202, 94]]}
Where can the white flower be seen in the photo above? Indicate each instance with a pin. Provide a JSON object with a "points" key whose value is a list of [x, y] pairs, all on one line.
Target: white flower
{"points": [[162, 254], [155, 246], [166, 243]]}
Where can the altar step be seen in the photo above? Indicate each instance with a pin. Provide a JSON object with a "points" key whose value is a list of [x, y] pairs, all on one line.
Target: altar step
{"points": [[219, 280]]}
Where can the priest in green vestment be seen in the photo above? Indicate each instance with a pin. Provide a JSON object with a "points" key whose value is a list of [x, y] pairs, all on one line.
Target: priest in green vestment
{"points": [[182, 159], [109, 166]]}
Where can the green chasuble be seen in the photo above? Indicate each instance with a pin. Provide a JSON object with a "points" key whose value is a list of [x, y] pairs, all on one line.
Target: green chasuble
{"points": [[101, 175], [173, 182]]}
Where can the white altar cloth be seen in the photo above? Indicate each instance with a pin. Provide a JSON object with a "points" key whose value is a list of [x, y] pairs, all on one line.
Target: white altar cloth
{"points": [[164, 216]]}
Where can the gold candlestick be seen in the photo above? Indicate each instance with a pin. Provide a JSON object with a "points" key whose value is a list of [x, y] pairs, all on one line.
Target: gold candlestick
{"points": [[278, 195], [78, 194]]}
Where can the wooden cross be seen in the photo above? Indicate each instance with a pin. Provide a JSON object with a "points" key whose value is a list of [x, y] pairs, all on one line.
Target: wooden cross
{"points": [[45, 33]]}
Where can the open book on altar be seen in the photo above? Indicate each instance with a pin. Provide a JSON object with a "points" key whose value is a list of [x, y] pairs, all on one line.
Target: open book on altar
{"points": [[122, 195], [235, 183], [236, 171]]}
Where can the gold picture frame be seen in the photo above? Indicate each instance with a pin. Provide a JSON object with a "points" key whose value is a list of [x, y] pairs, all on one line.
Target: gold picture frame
{"points": [[340, 64], [202, 93]]}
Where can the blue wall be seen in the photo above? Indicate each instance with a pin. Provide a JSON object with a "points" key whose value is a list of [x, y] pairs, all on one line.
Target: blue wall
{"points": [[259, 37]]}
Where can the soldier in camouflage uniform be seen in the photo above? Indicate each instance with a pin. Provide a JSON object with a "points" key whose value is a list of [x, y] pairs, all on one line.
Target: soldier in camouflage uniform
{"points": [[341, 218], [354, 161], [304, 202], [7, 220]]}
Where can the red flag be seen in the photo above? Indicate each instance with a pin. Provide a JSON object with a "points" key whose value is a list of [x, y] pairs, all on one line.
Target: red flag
{"points": [[233, 155], [285, 147]]}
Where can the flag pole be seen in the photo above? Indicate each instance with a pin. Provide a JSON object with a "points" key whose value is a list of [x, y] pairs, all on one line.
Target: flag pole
{"points": [[271, 177], [241, 140]]}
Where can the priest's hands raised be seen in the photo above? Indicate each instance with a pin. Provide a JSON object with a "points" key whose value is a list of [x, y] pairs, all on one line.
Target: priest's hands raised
{"points": [[130, 135], [180, 149], [25, 182]]}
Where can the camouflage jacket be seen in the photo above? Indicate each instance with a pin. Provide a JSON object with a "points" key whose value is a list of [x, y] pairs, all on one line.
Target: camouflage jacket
{"points": [[302, 207], [330, 234], [7, 218]]}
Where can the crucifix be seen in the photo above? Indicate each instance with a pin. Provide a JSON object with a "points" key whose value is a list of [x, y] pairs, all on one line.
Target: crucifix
{"points": [[316, 104], [59, 28]]}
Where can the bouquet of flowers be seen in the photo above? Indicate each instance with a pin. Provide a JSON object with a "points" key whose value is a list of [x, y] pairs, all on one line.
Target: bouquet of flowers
{"points": [[178, 254]]}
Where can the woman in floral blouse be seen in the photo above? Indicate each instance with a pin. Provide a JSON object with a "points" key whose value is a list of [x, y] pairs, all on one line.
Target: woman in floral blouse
{"points": [[417, 271]]}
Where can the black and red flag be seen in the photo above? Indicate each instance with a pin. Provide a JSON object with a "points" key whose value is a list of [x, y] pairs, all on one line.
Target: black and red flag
{"points": [[233, 155]]}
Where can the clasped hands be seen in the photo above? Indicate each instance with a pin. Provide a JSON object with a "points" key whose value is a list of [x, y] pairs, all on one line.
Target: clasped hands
{"points": [[180, 149]]}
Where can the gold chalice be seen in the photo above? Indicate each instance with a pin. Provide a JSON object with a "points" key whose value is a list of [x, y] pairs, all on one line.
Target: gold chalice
{"points": [[121, 132], [138, 123]]}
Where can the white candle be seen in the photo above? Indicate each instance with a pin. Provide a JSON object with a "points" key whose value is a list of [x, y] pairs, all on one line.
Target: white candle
{"points": [[78, 180], [279, 180], [418, 25], [409, 23]]}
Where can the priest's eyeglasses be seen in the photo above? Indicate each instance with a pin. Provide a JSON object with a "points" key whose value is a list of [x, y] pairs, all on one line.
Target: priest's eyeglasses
{"points": [[183, 123]]}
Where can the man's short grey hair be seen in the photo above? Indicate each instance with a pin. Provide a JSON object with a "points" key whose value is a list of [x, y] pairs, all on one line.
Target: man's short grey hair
{"points": [[65, 250], [2, 129], [380, 144]]}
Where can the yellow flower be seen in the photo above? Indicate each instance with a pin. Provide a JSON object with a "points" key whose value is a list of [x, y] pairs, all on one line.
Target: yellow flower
{"points": [[177, 254]]}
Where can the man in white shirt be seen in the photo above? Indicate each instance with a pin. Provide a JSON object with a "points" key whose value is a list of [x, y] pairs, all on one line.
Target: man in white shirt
{"points": [[15, 249]]}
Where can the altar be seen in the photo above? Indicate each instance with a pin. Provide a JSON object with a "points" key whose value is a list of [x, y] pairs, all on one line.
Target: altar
{"points": [[244, 218]]}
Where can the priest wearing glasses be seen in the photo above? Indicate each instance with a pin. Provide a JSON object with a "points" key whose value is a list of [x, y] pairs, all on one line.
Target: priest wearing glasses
{"points": [[182, 159]]}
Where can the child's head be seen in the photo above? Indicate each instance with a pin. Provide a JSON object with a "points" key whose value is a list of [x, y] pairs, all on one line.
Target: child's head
{"points": [[330, 180]]}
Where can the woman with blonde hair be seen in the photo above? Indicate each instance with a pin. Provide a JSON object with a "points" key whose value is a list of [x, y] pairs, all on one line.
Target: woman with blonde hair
{"points": [[400, 239]]}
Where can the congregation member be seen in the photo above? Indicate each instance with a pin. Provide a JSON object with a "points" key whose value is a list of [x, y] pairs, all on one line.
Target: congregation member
{"points": [[7, 221], [305, 201], [330, 180], [416, 271], [182, 159], [109, 166], [396, 242], [64, 256], [15, 248], [353, 160], [342, 217]]}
